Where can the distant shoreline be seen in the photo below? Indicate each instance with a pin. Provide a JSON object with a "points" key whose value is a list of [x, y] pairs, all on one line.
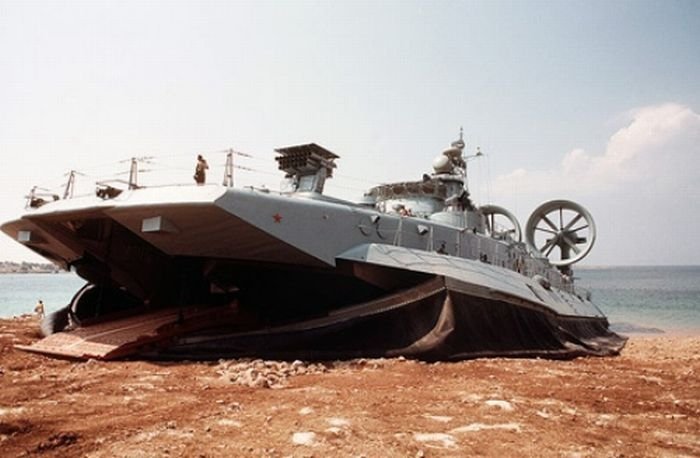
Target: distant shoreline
{"points": [[57, 271], [8, 267]]}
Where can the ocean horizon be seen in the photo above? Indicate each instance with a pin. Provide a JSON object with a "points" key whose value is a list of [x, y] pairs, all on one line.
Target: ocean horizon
{"points": [[636, 299]]}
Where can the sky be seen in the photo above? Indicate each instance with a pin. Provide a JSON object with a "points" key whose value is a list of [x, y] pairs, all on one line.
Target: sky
{"points": [[593, 101]]}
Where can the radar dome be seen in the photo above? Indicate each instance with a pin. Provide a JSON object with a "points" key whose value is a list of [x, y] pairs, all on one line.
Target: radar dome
{"points": [[442, 164]]}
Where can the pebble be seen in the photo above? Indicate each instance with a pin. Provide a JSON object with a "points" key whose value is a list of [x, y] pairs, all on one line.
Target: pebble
{"points": [[304, 438], [446, 440], [340, 422], [503, 405], [259, 373], [229, 422], [438, 418], [475, 427], [265, 374]]}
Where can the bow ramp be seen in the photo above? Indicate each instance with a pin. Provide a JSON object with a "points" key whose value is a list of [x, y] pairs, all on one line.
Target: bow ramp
{"points": [[127, 336]]}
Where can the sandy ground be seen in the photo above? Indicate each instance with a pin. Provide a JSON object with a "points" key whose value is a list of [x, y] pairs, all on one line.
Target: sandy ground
{"points": [[645, 402]]}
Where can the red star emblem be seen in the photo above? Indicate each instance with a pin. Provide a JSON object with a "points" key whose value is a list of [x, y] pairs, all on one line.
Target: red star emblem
{"points": [[277, 217]]}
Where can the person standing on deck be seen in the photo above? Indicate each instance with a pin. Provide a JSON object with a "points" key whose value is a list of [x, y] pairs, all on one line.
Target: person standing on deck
{"points": [[39, 309], [200, 173]]}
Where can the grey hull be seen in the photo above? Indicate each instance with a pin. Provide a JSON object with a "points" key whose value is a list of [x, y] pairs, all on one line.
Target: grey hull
{"points": [[316, 279]]}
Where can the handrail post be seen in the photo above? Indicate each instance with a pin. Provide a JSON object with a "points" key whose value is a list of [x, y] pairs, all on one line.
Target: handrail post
{"points": [[228, 170], [133, 174], [68, 192]]}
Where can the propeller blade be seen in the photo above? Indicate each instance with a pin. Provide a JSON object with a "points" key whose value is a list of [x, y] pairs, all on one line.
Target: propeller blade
{"points": [[573, 221], [550, 223], [546, 230]]}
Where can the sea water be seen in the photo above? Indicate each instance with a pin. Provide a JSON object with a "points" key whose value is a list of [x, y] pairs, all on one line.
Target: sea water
{"points": [[19, 293], [635, 299], [666, 298]]}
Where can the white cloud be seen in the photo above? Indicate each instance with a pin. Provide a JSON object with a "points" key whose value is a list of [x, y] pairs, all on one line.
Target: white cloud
{"points": [[643, 189], [658, 142]]}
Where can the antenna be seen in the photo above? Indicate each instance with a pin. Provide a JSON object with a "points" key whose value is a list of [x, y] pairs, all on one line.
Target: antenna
{"points": [[459, 143]]}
